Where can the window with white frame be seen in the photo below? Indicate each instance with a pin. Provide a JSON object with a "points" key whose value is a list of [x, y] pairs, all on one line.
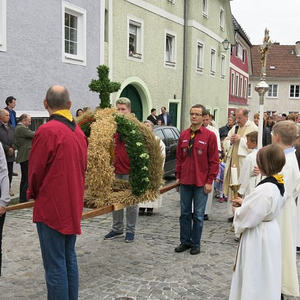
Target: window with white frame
{"points": [[170, 50], [273, 91], [295, 91], [241, 86], [240, 51], [232, 83], [222, 19], [222, 66], [2, 25], [135, 39], [212, 61], [236, 85], [200, 57], [249, 90], [205, 8], [245, 88], [74, 34]]}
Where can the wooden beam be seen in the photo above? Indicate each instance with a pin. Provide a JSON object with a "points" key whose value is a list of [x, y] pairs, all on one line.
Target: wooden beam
{"points": [[168, 187], [93, 212], [97, 212], [28, 204]]}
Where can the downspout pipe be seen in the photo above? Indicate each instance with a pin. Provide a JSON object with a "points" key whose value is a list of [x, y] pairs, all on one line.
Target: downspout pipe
{"points": [[184, 68]]}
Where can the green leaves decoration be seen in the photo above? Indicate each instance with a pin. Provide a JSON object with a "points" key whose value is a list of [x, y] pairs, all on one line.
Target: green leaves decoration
{"points": [[138, 155]]}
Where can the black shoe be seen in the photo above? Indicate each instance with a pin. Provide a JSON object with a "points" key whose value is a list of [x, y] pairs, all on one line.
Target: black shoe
{"points": [[142, 211], [182, 247], [149, 212], [195, 250], [206, 217], [230, 220]]}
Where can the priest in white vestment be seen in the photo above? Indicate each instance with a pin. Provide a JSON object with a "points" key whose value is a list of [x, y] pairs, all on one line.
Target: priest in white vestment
{"points": [[236, 150]]}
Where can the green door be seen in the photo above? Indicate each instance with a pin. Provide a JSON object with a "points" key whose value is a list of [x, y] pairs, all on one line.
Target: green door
{"points": [[133, 95], [173, 110]]}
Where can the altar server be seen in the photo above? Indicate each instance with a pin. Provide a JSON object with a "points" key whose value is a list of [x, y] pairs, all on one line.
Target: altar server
{"points": [[284, 134], [257, 272]]}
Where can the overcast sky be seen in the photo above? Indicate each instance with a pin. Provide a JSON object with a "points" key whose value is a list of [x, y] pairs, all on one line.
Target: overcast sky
{"points": [[282, 18]]}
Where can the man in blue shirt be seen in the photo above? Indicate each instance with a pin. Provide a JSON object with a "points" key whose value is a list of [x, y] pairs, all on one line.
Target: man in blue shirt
{"points": [[11, 104]]}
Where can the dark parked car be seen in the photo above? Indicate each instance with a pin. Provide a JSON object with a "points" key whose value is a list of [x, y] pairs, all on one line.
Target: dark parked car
{"points": [[169, 135]]}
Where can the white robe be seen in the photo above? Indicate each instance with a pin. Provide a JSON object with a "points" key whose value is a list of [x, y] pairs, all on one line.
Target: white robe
{"points": [[243, 151], [210, 196], [158, 202], [298, 222], [287, 220], [258, 269], [247, 179]]}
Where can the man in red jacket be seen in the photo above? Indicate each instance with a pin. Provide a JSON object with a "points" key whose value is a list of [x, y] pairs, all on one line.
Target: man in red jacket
{"points": [[57, 165], [196, 168]]}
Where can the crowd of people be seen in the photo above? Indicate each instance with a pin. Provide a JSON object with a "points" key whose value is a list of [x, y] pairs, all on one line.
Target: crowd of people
{"points": [[260, 187]]}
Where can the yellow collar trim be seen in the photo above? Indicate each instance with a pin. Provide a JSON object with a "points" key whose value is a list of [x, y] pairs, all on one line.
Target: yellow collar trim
{"points": [[279, 178], [65, 113]]}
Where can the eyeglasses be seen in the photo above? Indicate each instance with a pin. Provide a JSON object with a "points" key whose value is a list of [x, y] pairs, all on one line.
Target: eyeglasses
{"points": [[195, 114]]}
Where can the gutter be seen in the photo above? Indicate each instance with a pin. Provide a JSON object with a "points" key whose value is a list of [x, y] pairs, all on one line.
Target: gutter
{"points": [[184, 67]]}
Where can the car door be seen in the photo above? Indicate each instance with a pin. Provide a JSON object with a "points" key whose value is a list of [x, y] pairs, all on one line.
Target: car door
{"points": [[171, 144]]}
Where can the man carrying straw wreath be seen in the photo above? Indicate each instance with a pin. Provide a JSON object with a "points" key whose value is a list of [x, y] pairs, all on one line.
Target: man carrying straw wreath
{"points": [[57, 166], [122, 170]]}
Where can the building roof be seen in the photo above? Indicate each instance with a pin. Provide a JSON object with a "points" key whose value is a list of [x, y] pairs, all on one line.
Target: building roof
{"points": [[238, 28], [281, 61]]}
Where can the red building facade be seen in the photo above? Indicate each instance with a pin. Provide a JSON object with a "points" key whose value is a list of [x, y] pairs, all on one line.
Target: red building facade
{"points": [[240, 68]]}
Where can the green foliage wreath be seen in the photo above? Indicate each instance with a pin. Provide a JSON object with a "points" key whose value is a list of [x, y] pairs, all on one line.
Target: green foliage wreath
{"points": [[138, 155]]}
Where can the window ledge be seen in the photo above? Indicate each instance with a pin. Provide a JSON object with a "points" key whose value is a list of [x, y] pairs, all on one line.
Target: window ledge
{"points": [[212, 73], [199, 70], [170, 64], [204, 14], [135, 55], [73, 59]]}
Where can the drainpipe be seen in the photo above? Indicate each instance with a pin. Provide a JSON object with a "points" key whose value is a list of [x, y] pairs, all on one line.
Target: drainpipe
{"points": [[184, 69]]}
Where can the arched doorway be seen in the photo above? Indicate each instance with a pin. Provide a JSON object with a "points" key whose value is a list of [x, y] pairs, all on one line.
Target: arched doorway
{"points": [[133, 95]]}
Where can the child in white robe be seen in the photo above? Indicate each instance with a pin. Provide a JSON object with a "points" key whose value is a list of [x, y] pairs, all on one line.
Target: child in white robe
{"points": [[249, 178], [284, 134], [257, 272]]}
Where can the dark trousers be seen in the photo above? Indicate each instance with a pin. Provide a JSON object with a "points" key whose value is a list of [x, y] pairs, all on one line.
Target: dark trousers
{"points": [[10, 165], [2, 218], [24, 181]]}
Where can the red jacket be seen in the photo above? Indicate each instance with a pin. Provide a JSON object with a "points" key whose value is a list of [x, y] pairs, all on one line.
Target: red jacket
{"points": [[202, 165], [121, 161], [57, 166]]}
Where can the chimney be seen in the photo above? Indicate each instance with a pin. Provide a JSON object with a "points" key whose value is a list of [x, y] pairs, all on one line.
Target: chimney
{"points": [[297, 48]]}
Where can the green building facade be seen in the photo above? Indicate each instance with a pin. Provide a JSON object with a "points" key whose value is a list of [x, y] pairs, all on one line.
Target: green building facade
{"points": [[146, 51]]}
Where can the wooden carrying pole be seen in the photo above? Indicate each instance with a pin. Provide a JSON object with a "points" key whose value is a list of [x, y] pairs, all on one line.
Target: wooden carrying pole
{"points": [[93, 212]]}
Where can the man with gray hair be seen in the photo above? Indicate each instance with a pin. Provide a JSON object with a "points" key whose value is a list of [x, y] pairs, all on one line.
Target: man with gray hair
{"points": [[7, 138], [235, 146], [23, 138], [57, 165]]}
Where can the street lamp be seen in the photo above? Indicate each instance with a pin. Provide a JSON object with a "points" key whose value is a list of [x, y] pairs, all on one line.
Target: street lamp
{"points": [[226, 44]]}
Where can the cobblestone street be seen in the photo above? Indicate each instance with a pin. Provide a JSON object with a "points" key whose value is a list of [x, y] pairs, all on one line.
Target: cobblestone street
{"points": [[146, 269]]}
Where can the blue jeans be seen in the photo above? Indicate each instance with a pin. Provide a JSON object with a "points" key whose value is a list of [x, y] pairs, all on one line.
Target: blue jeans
{"points": [[60, 263], [191, 222]]}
